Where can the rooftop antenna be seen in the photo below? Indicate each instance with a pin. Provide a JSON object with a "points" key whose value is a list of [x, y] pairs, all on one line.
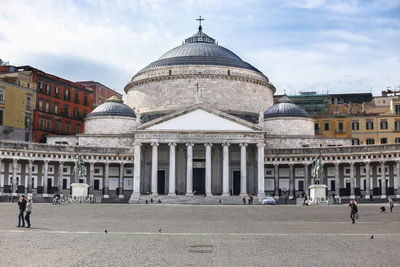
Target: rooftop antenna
{"points": [[200, 19]]}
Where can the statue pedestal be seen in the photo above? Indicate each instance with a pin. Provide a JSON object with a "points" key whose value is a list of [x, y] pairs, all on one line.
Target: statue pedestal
{"points": [[318, 193], [79, 190]]}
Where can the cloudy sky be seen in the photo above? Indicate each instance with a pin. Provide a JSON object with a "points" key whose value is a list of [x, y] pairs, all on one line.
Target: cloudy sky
{"points": [[341, 46]]}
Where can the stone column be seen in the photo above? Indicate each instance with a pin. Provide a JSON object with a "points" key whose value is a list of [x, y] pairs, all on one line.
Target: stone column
{"points": [[136, 172], [208, 169], [171, 184], [30, 186], [243, 170], [1, 175], [276, 182], [60, 176], [368, 183], [225, 170], [121, 180], [91, 178], [154, 169], [106, 180], [45, 176], [306, 179], [352, 182], [398, 179], [189, 170], [260, 171], [383, 180], [14, 176], [337, 179], [291, 181]]}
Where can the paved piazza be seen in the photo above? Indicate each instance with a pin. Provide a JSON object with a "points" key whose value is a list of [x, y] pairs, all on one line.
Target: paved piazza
{"points": [[74, 235]]}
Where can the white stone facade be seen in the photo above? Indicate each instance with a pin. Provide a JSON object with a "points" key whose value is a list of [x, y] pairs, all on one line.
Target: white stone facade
{"points": [[109, 125], [289, 126], [156, 91]]}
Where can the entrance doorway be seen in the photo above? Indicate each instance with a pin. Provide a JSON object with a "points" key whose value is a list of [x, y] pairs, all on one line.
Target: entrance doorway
{"points": [[49, 184], [199, 181], [380, 186], [161, 182], [236, 183]]}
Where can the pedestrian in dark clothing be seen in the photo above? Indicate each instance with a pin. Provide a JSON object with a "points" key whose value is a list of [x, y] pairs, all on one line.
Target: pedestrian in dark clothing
{"points": [[28, 212], [22, 207], [353, 211], [391, 205], [286, 197], [371, 197], [244, 200]]}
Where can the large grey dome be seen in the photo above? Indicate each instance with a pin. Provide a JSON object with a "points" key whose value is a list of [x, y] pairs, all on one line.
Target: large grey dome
{"points": [[199, 49], [285, 109], [113, 107]]}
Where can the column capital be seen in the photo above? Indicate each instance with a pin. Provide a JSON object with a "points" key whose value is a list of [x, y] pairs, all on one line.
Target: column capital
{"points": [[243, 144], [106, 164], [382, 162], [208, 144], [352, 163], [275, 163], [172, 144], [306, 163], [261, 145], [337, 163], [367, 162], [225, 144], [155, 144], [137, 144], [122, 163], [189, 144]]}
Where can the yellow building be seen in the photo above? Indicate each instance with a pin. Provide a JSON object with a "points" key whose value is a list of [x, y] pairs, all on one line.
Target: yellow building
{"points": [[333, 127], [375, 127], [17, 102]]}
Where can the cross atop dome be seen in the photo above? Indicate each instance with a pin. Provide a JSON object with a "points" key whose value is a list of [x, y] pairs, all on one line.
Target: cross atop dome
{"points": [[200, 19]]}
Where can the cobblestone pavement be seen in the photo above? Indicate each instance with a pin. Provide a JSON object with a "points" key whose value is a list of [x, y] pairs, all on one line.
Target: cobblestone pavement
{"points": [[190, 235]]}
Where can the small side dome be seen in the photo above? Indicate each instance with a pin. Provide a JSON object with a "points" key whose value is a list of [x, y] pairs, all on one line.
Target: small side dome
{"points": [[113, 107], [285, 108]]}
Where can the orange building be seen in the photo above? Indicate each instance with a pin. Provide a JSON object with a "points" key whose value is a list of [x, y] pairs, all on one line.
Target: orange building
{"points": [[61, 105], [100, 92]]}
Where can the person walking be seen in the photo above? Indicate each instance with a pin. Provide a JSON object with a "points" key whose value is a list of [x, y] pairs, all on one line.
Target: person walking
{"points": [[22, 207], [353, 211], [28, 212], [391, 205], [55, 198]]}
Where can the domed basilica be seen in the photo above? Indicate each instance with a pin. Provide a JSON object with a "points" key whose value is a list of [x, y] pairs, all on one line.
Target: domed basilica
{"points": [[200, 126]]}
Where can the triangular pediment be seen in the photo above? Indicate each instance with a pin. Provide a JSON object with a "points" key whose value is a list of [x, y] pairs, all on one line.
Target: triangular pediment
{"points": [[199, 119]]}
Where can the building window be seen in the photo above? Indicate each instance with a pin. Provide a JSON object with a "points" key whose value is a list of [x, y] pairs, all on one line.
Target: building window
{"points": [[384, 125], [84, 113], [40, 104], [56, 91], [41, 123], [370, 141], [383, 140], [58, 126], [40, 85], [76, 113], [369, 125], [77, 128], [355, 125], [66, 94], [47, 106], [76, 97], [67, 128], [48, 89], [66, 111], [397, 140], [397, 126], [316, 127], [326, 126], [355, 142], [85, 99], [56, 108], [48, 124], [397, 109], [28, 102], [1, 95], [28, 122], [1, 117], [27, 137], [341, 128]]}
